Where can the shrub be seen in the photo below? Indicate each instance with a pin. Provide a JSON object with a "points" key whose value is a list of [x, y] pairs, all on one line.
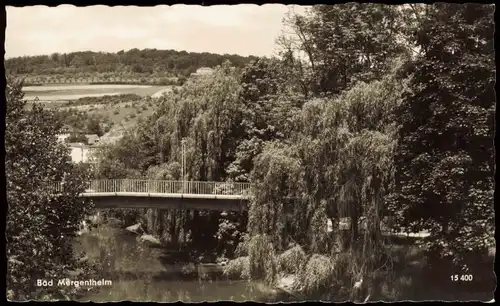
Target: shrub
{"points": [[238, 268], [229, 234], [317, 275], [116, 112], [262, 258], [292, 260]]}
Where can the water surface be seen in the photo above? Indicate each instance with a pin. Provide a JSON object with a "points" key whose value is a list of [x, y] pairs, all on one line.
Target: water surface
{"points": [[144, 273]]}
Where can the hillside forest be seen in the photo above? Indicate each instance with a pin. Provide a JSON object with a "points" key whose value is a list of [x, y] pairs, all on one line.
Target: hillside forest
{"points": [[148, 66]]}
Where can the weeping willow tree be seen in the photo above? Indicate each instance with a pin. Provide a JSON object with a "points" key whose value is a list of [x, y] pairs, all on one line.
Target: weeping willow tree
{"points": [[339, 166], [275, 176], [206, 113]]}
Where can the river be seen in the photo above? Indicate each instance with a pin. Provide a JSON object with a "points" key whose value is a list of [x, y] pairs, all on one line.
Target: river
{"points": [[139, 272]]}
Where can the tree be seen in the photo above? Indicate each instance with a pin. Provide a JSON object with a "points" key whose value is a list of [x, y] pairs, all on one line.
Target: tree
{"points": [[124, 159], [55, 57], [94, 126], [333, 46], [276, 176], [256, 87], [41, 223], [181, 80], [266, 109], [445, 160]]}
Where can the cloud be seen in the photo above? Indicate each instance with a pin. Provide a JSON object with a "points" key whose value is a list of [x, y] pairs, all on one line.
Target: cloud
{"points": [[242, 29]]}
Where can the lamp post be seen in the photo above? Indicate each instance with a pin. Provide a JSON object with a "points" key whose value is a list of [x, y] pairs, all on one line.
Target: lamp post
{"points": [[183, 146]]}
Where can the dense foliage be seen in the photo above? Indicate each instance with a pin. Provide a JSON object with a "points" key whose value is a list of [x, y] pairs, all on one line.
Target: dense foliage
{"points": [[445, 161], [41, 224], [332, 47], [78, 122]]}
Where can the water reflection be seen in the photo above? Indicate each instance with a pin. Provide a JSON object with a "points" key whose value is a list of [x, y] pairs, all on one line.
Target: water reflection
{"points": [[142, 273]]}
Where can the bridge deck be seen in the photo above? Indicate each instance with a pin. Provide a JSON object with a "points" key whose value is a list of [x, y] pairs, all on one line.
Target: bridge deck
{"points": [[159, 187], [164, 195], [228, 196]]}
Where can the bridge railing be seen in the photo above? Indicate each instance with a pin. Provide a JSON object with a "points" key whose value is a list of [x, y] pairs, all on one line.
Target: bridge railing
{"points": [[157, 186]]}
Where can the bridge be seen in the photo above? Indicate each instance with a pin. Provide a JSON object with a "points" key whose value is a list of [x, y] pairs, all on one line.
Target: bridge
{"points": [[128, 193], [160, 194]]}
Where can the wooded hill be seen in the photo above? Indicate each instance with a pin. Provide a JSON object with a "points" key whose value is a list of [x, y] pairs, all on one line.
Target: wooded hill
{"points": [[133, 66]]}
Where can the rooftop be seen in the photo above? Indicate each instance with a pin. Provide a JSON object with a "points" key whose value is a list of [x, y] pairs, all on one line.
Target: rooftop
{"points": [[203, 71], [92, 138], [82, 145]]}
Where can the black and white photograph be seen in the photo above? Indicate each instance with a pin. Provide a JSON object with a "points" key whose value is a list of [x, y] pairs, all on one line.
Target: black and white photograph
{"points": [[266, 153]]}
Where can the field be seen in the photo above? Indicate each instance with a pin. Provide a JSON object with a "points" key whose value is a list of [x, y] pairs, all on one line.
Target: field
{"points": [[123, 111], [123, 115], [73, 92]]}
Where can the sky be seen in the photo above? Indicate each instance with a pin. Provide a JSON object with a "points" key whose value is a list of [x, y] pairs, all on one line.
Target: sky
{"points": [[244, 29]]}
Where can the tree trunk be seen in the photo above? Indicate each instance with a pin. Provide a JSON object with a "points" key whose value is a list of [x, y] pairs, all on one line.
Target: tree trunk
{"points": [[173, 229], [155, 221], [354, 228], [184, 226], [161, 227]]}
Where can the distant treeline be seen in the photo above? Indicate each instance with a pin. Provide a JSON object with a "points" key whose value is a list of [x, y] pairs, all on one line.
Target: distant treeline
{"points": [[147, 62]]}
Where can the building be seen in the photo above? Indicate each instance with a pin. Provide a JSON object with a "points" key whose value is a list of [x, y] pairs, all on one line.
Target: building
{"points": [[82, 153], [203, 71], [62, 137], [92, 139]]}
